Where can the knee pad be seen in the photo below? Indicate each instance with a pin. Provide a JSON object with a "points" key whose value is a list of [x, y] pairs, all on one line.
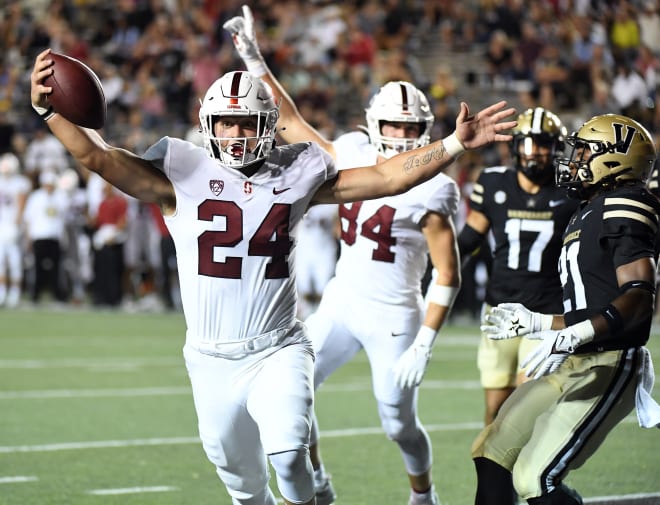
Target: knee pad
{"points": [[397, 423], [295, 475]]}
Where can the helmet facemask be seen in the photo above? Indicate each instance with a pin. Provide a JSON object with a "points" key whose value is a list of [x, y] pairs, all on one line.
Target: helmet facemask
{"points": [[538, 128], [239, 95], [398, 102]]}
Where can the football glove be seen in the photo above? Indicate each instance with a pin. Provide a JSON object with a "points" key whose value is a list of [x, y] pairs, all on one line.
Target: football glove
{"points": [[555, 348], [245, 41], [509, 320], [411, 365]]}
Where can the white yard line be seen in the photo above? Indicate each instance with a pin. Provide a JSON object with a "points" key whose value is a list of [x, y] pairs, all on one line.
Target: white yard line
{"points": [[13, 479], [185, 390], [623, 498], [132, 490], [141, 442]]}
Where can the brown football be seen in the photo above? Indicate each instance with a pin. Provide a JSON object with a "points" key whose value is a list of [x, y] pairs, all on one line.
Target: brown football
{"points": [[77, 92]]}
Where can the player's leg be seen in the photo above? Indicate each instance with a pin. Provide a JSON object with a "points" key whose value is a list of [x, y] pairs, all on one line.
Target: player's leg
{"points": [[598, 391], [334, 345], [281, 402], [497, 361], [15, 271], [229, 435], [385, 339], [4, 272], [496, 448]]}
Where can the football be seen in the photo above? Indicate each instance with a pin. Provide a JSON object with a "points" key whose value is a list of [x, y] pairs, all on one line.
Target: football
{"points": [[77, 93]]}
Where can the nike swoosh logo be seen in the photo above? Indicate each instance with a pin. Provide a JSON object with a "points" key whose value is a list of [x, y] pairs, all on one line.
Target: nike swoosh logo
{"points": [[280, 191], [398, 334], [554, 203]]}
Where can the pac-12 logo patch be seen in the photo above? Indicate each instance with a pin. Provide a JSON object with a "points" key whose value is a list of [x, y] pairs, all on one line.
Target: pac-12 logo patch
{"points": [[216, 186]]}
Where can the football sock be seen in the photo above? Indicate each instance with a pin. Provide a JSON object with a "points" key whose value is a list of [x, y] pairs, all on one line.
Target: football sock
{"points": [[494, 484]]}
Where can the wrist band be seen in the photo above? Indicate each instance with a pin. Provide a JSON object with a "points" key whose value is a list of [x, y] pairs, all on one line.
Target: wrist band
{"points": [[441, 295], [44, 113], [453, 146], [613, 318], [256, 67]]}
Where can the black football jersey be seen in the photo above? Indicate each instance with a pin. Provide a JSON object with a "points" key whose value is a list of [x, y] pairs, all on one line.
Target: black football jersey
{"points": [[527, 230], [614, 228]]}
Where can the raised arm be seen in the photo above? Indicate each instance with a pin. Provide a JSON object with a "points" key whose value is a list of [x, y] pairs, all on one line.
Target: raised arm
{"points": [[121, 168], [292, 127], [403, 171]]}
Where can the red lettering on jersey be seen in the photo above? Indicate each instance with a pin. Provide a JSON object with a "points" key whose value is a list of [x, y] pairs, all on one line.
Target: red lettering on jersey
{"points": [[247, 187]]}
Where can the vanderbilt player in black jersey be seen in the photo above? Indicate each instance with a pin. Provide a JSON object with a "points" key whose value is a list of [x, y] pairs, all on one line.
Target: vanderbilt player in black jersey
{"points": [[527, 216], [591, 368]]}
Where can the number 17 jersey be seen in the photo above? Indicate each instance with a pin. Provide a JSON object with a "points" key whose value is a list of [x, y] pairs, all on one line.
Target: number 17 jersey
{"points": [[527, 230]]}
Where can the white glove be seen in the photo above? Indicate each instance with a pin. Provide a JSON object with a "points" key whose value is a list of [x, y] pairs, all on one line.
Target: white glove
{"points": [[509, 320], [556, 347], [245, 41], [411, 365]]}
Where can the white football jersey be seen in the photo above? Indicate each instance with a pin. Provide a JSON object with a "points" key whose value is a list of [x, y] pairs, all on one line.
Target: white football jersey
{"points": [[235, 236], [10, 190], [383, 250]]}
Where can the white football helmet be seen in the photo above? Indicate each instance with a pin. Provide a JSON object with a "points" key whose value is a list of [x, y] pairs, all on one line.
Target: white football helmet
{"points": [[398, 102], [607, 151], [9, 165], [239, 94]]}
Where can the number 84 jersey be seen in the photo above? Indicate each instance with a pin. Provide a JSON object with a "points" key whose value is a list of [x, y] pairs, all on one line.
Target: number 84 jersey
{"points": [[384, 253]]}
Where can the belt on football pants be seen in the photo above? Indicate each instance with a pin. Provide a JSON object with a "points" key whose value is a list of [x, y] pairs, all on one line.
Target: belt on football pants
{"points": [[242, 348]]}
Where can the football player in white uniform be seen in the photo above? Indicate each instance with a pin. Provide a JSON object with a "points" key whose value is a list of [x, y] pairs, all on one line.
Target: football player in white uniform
{"points": [[316, 255], [232, 208], [14, 189], [374, 302]]}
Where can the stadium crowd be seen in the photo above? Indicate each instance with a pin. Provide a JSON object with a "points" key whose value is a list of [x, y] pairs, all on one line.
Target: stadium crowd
{"points": [[156, 58]]}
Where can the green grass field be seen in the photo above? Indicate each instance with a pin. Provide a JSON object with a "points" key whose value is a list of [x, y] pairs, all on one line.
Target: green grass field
{"points": [[95, 408]]}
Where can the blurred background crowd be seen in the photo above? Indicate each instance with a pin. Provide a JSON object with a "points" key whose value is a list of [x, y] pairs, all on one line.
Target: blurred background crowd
{"points": [[81, 242]]}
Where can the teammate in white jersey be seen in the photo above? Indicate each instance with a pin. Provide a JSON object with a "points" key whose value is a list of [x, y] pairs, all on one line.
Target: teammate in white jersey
{"points": [[374, 303], [316, 255], [232, 208], [14, 189]]}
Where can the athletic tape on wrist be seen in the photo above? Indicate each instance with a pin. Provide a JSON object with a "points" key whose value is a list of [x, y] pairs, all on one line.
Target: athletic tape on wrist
{"points": [[44, 113], [256, 67], [441, 295], [453, 146], [613, 318]]}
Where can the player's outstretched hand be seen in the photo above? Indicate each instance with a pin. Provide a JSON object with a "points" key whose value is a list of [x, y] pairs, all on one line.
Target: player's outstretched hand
{"points": [[245, 39], [509, 320], [43, 67], [485, 126]]}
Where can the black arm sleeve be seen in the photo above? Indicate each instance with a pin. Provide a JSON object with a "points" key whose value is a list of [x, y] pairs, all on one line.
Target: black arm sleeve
{"points": [[469, 241]]}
